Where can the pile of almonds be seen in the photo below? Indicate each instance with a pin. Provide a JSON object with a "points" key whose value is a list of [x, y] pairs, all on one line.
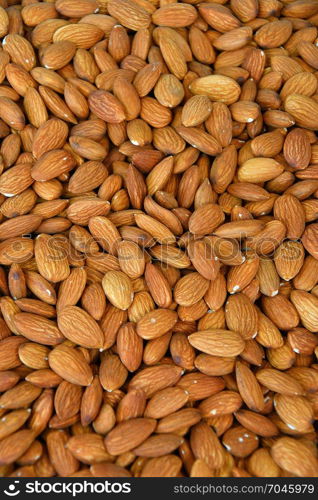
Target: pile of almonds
{"points": [[158, 238]]}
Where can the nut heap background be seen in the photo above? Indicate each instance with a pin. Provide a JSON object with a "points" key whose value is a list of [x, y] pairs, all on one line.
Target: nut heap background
{"points": [[158, 238]]}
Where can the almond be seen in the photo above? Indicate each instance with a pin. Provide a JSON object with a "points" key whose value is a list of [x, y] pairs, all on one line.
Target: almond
{"points": [[217, 87], [118, 289], [50, 257], [52, 164], [176, 16], [158, 238], [135, 432], [71, 365], [249, 388], [38, 329], [88, 334], [129, 13], [294, 456], [217, 342], [300, 107], [12, 447], [156, 323], [259, 170]]}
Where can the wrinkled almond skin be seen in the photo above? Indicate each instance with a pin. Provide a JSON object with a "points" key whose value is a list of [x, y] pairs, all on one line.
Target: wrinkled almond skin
{"points": [[294, 457], [38, 329], [118, 289], [52, 164], [106, 107], [218, 342], [135, 432], [219, 88], [88, 335], [158, 239], [78, 371]]}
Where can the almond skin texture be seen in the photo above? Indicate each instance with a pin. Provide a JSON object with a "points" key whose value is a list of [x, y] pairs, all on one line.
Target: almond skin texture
{"points": [[135, 432], [106, 107], [294, 457], [158, 238], [217, 87], [51, 259], [299, 107], [156, 323], [288, 209], [218, 342], [71, 365], [52, 164], [129, 14], [118, 289], [86, 332], [297, 150], [38, 329], [14, 446], [249, 388], [205, 219], [259, 170]]}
